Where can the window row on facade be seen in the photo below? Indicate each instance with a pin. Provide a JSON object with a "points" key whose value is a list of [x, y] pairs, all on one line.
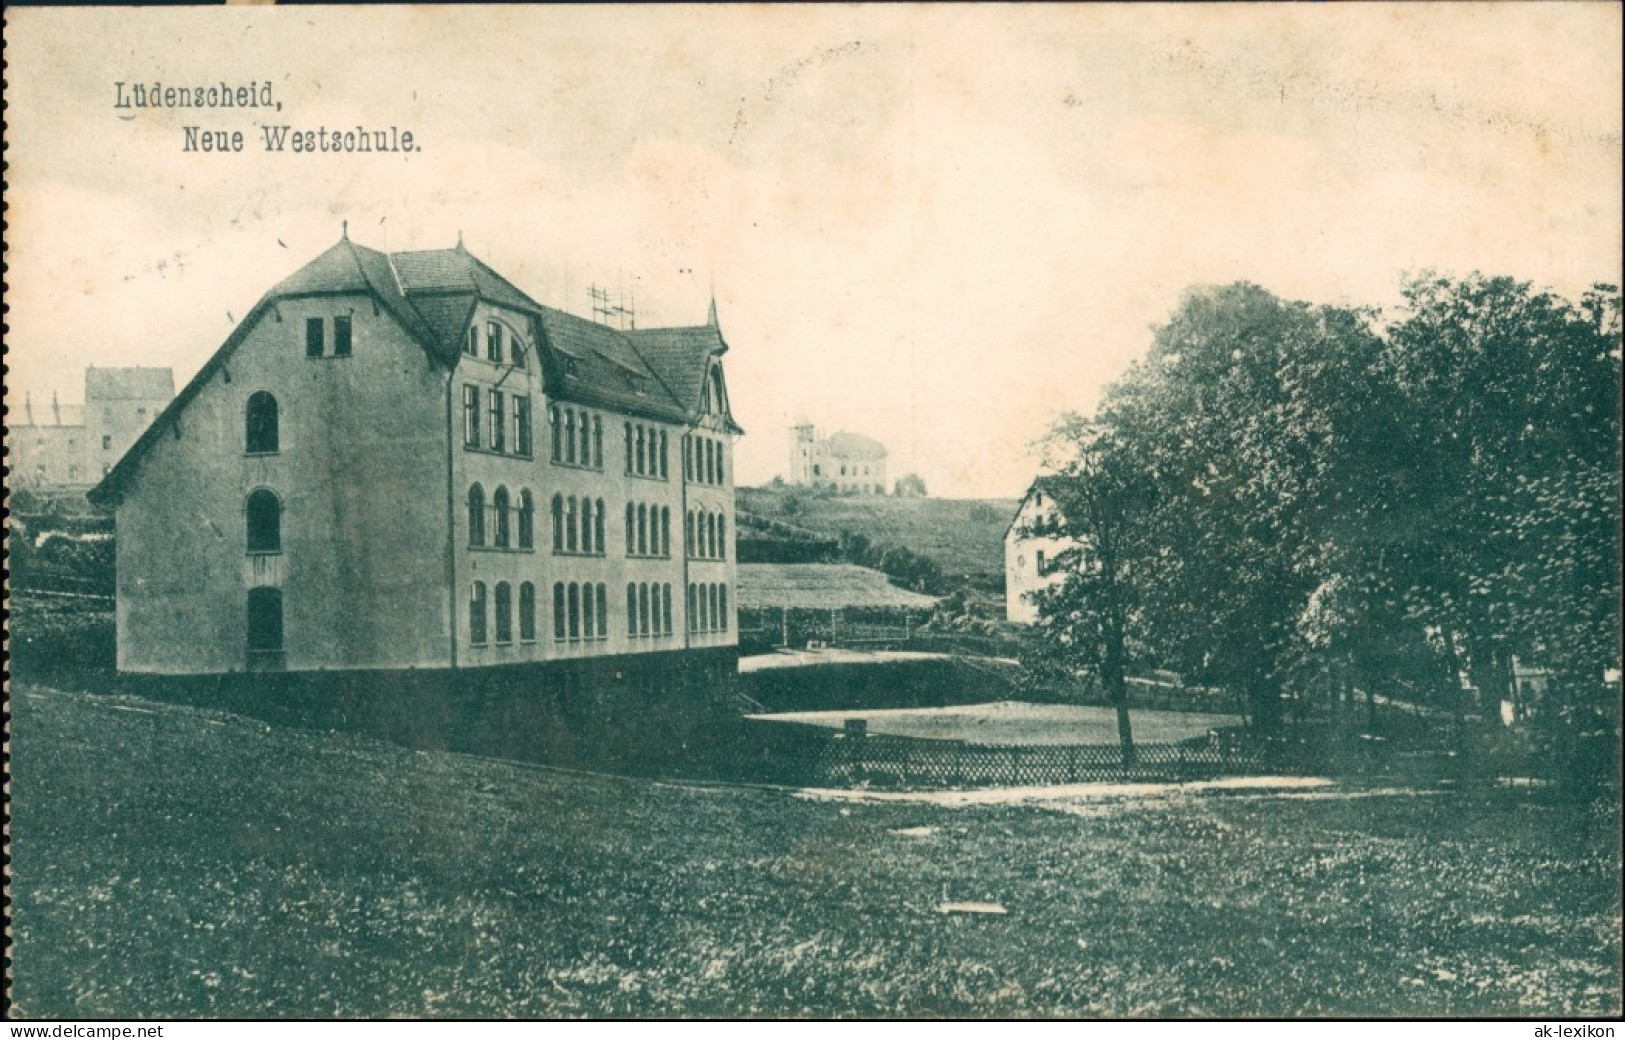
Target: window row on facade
{"points": [[648, 609], [702, 460], [648, 530], [502, 345], [705, 535], [707, 607], [578, 525], [578, 437], [501, 519], [316, 337], [496, 421], [647, 451]]}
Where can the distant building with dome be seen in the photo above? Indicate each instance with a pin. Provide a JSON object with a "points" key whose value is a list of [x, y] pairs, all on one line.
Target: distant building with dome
{"points": [[844, 461]]}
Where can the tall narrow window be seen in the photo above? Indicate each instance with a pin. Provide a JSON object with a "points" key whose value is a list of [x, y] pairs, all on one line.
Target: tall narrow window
{"points": [[558, 433], [521, 425], [499, 518], [629, 447], [598, 442], [341, 336], [688, 461], [598, 527], [471, 345], [722, 606], [471, 416], [663, 458], [721, 477], [504, 612], [643, 608], [570, 435], [586, 440], [665, 530], [603, 609], [722, 537], [665, 606], [570, 524], [716, 615], [631, 609], [589, 617], [558, 610], [476, 515], [527, 612], [264, 522], [313, 337], [493, 341], [494, 399], [640, 451], [689, 615], [711, 535], [631, 529], [264, 621], [263, 435], [688, 534], [558, 523], [710, 462], [517, 350], [476, 614], [586, 524], [643, 530], [575, 611], [527, 520]]}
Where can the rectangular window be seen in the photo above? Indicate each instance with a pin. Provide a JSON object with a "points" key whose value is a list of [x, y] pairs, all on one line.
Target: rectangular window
{"points": [[341, 336], [521, 425], [494, 408], [472, 346], [107, 442], [493, 341], [471, 416], [313, 337]]}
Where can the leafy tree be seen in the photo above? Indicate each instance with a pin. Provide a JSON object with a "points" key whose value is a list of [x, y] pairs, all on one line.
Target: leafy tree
{"points": [[910, 485]]}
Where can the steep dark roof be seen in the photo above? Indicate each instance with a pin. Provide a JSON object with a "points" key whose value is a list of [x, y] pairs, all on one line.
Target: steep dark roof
{"points": [[431, 293], [854, 446]]}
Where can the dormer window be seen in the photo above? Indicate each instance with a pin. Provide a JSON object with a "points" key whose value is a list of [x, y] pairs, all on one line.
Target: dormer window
{"points": [[493, 342], [472, 346]]}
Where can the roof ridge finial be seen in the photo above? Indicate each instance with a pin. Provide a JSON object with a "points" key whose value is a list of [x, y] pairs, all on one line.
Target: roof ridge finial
{"points": [[460, 247], [344, 232]]}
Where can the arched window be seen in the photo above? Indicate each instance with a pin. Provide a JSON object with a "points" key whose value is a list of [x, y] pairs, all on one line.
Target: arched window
{"points": [[598, 527], [631, 609], [504, 612], [264, 621], [722, 605], [527, 612], [569, 435], [586, 524], [688, 533], [721, 477], [716, 615], [722, 537], [557, 432], [631, 529], [264, 521], [598, 442], [575, 611], [570, 524], [665, 530], [527, 520], [586, 441], [629, 447], [711, 535], [643, 609], [663, 456], [710, 463], [499, 517], [558, 523], [589, 620], [688, 614], [558, 611], [493, 341], [688, 461], [639, 454], [603, 610], [476, 614], [643, 529], [262, 434], [665, 605], [476, 515]]}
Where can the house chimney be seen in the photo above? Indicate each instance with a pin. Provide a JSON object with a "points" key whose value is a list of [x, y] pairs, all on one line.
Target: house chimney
{"points": [[56, 409]]}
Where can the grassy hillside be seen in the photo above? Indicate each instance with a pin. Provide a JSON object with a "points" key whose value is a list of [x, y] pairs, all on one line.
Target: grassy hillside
{"points": [[176, 862], [964, 536]]}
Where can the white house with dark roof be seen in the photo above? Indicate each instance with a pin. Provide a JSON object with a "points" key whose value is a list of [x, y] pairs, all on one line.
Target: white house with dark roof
{"points": [[401, 460], [844, 461], [1030, 551]]}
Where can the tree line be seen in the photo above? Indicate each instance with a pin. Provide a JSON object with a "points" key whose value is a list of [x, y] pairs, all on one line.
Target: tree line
{"points": [[1313, 504]]}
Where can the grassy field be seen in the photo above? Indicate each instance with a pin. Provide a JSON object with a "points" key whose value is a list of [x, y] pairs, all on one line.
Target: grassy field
{"points": [[964, 536], [171, 861], [1012, 723]]}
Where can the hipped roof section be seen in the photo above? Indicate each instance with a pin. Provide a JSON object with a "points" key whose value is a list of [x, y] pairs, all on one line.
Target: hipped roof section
{"points": [[432, 294]]}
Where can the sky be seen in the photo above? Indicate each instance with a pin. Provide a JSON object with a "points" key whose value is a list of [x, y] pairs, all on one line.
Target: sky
{"points": [[939, 226]]}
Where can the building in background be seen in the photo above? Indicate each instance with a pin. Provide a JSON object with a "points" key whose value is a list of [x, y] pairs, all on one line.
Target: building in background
{"points": [[74, 446], [1029, 557], [844, 461], [400, 460]]}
